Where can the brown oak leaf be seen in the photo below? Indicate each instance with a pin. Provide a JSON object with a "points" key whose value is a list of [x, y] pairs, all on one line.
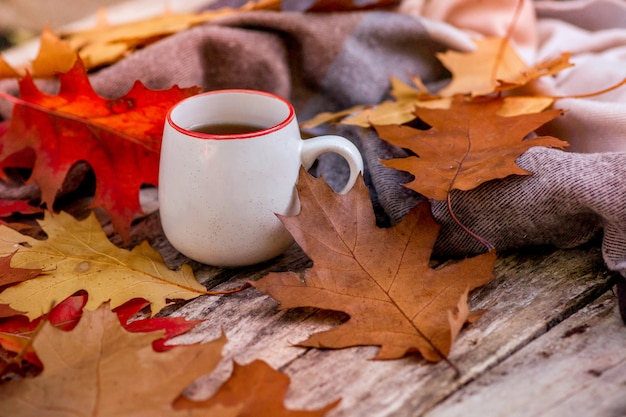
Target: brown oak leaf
{"points": [[101, 369], [259, 391], [380, 277], [467, 145]]}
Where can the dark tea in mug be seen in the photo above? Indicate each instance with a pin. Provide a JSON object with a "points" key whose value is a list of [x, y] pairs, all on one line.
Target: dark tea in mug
{"points": [[225, 128]]}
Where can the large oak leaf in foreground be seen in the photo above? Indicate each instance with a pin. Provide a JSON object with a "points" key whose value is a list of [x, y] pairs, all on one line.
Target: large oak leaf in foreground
{"points": [[380, 277], [119, 138], [101, 369], [467, 145]]}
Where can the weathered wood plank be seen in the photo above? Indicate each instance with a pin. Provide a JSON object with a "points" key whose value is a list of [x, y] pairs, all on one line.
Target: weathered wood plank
{"points": [[531, 293], [577, 369]]}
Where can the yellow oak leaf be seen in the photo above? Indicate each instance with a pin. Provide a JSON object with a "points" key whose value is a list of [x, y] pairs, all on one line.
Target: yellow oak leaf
{"points": [[55, 56], [77, 255], [106, 44], [493, 66], [6, 70]]}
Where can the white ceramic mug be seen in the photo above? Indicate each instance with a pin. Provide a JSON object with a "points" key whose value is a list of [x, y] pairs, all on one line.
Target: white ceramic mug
{"points": [[219, 193]]}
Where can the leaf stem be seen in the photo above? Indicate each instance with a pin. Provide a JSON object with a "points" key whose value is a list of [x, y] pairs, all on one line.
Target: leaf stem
{"points": [[596, 93], [506, 39], [233, 291], [480, 239]]}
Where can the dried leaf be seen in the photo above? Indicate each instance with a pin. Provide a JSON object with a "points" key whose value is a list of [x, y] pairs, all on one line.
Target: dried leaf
{"points": [[493, 66], [380, 277], [173, 326], [119, 138], [258, 390], [106, 44], [78, 256], [101, 369], [55, 56], [467, 145], [10, 276], [17, 331], [6, 70]]}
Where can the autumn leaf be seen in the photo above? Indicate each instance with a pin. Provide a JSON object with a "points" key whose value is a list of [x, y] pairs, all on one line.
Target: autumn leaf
{"points": [[10, 276], [258, 389], [398, 111], [173, 326], [101, 369], [493, 66], [105, 44], [55, 56], [78, 256], [6, 70], [16, 331], [119, 138], [466, 146], [380, 277]]}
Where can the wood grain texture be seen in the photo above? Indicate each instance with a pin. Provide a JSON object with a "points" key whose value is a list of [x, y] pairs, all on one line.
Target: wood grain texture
{"points": [[576, 369], [533, 292]]}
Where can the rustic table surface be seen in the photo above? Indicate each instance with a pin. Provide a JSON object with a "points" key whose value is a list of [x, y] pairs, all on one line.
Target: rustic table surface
{"points": [[551, 342]]}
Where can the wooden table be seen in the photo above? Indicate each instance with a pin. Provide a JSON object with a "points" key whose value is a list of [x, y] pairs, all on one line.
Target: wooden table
{"points": [[550, 344]]}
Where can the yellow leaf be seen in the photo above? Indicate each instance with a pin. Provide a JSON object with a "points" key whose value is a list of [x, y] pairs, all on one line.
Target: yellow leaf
{"points": [[327, 117], [542, 69], [6, 70], [386, 113], [519, 105], [478, 72], [400, 111], [493, 66], [55, 56], [105, 43], [77, 255]]}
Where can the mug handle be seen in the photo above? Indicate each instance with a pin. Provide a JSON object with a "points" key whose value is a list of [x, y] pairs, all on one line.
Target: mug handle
{"points": [[314, 147]]}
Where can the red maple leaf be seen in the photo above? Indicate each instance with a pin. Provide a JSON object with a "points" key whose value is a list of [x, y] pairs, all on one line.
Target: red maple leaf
{"points": [[16, 331], [119, 138]]}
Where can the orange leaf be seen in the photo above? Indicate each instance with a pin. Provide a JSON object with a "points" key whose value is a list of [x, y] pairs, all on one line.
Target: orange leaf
{"points": [[258, 389], [6, 70], [55, 56], [119, 138], [380, 277], [467, 145], [493, 66]]}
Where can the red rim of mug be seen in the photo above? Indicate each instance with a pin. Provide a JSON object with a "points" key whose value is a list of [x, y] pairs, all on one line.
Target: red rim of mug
{"points": [[256, 133]]}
